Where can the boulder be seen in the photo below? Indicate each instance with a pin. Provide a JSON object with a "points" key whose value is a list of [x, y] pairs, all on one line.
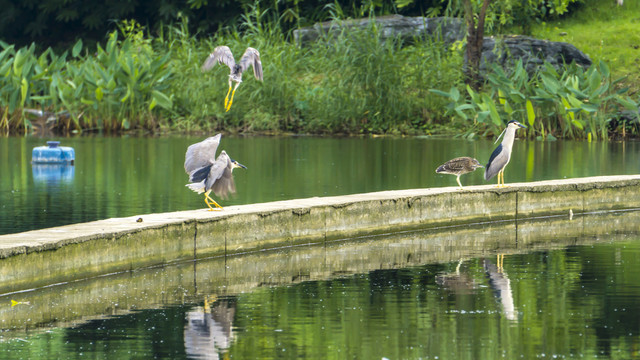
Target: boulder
{"points": [[533, 52], [406, 28]]}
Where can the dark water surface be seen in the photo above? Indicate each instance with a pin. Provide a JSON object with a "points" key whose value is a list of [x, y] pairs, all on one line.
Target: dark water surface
{"points": [[125, 176], [562, 292]]}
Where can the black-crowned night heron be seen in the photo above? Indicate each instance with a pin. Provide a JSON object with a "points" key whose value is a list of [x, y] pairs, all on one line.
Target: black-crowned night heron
{"points": [[206, 173], [223, 55], [459, 166], [502, 154]]}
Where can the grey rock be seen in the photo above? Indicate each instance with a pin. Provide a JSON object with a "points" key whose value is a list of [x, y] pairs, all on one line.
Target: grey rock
{"points": [[406, 28], [533, 53]]}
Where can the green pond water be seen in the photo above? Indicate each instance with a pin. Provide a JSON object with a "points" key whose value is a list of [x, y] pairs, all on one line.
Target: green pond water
{"points": [[566, 289], [125, 176]]}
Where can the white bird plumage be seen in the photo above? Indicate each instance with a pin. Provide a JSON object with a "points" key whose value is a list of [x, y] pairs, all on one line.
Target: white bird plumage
{"points": [[502, 154]]}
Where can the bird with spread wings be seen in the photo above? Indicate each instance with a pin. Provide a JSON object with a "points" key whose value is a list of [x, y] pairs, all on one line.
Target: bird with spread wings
{"points": [[223, 55]]}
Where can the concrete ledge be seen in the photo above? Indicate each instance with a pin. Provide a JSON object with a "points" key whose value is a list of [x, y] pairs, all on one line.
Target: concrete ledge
{"points": [[72, 303], [47, 256]]}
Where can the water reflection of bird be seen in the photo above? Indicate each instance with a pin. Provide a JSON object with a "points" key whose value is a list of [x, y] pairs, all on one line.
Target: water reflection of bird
{"points": [[502, 154], [501, 285], [208, 332], [223, 55], [458, 282], [459, 166], [206, 173]]}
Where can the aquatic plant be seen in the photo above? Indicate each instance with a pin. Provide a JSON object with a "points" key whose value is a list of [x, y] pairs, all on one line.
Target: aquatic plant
{"points": [[571, 102]]}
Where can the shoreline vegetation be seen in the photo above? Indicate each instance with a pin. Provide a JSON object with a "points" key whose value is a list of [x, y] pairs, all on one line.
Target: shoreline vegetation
{"points": [[353, 85]]}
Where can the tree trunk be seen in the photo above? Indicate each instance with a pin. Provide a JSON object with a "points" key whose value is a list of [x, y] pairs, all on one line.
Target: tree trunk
{"points": [[475, 35]]}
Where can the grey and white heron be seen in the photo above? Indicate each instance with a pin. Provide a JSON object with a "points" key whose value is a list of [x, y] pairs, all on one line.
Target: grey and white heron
{"points": [[502, 154], [208, 173], [223, 55], [459, 166]]}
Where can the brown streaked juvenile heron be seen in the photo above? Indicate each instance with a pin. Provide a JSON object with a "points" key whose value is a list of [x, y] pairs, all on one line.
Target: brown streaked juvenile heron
{"points": [[502, 154], [206, 173], [223, 55], [459, 166]]}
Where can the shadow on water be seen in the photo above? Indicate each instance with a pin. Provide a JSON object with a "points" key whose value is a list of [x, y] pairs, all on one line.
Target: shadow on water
{"points": [[126, 176], [564, 287]]}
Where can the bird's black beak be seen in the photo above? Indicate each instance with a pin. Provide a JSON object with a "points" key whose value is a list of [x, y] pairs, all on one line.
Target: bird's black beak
{"points": [[237, 164], [522, 126]]}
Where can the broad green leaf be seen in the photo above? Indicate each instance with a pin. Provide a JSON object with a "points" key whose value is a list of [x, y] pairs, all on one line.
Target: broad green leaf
{"points": [[482, 116], [577, 124], [77, 48], [455, 94], [531, 115], [163, 100], [507, 108], [24, 88], [152, 104], [628, 103], [604, 69], [591, 108], [99, 94], [595, 79], [441, 93], [495, 117], [501, 97]]}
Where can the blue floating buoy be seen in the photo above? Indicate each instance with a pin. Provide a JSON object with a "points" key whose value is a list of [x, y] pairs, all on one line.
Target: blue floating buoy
{"points": [[53, 154]]}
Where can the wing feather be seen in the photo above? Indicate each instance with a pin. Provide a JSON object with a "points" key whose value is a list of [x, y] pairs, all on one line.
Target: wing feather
{"points": [[201, 154], [251, 57], [222, 55], [220, 178], [496, 162]]}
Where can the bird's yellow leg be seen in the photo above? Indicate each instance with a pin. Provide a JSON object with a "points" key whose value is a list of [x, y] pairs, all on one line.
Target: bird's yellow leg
{"points": [[500, 261], [214, 203], [226, 99], [501, 178], [232, 94], [209, 201], [206, 201]]}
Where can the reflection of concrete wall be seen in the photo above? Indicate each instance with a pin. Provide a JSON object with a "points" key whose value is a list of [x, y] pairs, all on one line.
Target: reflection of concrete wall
{"points": [[77, 301], [79, 251]]}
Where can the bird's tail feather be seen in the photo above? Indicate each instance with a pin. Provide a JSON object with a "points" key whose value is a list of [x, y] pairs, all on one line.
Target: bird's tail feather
{"points": [[197, 187]]}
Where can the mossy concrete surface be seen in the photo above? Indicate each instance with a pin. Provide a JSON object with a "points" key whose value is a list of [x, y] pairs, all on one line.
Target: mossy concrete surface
{"points": [[72, 303], [42, 257]]}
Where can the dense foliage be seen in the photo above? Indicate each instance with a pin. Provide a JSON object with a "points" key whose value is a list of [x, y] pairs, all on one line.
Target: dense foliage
{"points": [[355, 83]]}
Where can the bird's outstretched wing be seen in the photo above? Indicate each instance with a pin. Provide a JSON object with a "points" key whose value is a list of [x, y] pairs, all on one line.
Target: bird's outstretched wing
{"points": [[201, 154], [222, 55], [251, 57], [220, 178]]}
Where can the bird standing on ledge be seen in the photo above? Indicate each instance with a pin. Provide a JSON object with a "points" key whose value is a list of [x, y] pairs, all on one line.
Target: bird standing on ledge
{"points": [[206, 173], [502, 154], [459, 166], [223, 55]]}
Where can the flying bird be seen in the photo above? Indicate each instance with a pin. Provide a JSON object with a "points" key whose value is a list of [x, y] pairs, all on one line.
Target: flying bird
{"points": [[223, 55], [206, 173], [502, 154]]}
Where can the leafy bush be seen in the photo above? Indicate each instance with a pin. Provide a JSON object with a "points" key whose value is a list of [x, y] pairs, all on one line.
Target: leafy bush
{"points": [[573, 103]]}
